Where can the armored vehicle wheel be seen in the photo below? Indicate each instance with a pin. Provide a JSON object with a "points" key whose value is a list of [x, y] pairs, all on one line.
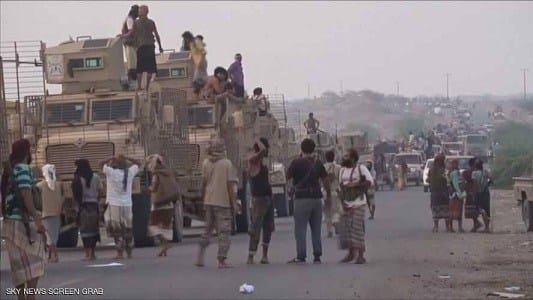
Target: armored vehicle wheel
{"points": [[177, 228], [68, 239], [141, 214], [527, 214], [241, 221], [187, 222]]}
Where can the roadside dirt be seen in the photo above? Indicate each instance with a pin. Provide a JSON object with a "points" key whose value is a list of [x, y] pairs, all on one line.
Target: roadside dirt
{"points": [[490, 262]]}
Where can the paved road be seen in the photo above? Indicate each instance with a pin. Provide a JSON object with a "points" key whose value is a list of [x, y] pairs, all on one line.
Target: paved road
{"points": [[404, 261]]}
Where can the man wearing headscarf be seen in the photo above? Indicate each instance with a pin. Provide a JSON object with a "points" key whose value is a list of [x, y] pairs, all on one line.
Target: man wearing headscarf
{"points": [[219, 200], [120, 172], [52, 198]]}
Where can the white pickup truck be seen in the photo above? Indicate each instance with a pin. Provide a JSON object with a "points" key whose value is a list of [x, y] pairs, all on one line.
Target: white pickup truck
{"points": [[523, 191]]}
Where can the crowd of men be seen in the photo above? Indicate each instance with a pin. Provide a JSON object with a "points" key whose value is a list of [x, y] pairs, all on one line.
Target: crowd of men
{"points": [[139, 34]]}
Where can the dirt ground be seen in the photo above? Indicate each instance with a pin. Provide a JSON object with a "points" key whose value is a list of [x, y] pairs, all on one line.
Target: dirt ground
{"points": [[490, 262]]}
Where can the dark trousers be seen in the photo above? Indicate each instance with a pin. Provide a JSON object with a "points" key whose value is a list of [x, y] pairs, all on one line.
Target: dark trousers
{"points": [[308, 210], [262, 218], [239, 90]]}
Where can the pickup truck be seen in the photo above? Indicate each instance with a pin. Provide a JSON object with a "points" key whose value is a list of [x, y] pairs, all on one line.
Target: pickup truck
{"points": [[523, 191]]}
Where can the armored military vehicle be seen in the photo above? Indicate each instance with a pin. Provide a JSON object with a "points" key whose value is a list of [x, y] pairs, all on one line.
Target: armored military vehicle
{"points": [[236, 120]]}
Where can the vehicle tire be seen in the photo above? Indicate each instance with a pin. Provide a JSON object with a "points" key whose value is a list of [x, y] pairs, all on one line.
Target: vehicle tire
{"points": [[177, 226], [280, 204], [187, 222], [241, 221], [69, 238], [527, 214], [141, 215], [426, 188]]}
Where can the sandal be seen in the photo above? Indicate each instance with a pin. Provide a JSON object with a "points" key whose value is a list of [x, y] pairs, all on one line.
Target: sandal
{"points": [[264, 261], [296, 261], [360, 261]]}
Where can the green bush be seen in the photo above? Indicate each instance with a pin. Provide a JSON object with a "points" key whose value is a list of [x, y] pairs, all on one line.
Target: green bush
{"points": [[515, 156]]}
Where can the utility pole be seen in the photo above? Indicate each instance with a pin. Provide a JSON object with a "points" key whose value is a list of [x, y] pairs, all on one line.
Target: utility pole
{"points": [[447, 86], [524, 71], [397, 88], [308, 91]]}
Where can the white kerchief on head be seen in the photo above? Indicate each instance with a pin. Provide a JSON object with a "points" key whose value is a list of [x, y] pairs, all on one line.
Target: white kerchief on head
{"points": [[49, 173]]}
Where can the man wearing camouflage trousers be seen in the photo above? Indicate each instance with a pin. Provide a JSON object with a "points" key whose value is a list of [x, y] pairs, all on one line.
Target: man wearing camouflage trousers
{"points": [[219, 200]]}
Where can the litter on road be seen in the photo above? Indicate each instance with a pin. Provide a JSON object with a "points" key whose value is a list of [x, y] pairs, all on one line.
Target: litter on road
{"points": [[113, 264], [246, 288], [445, 276], [506, 295]]}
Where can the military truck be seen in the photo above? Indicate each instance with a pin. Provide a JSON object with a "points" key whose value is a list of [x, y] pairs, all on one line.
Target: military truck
{"points": [[354, 139], [97, 115], [324, 142], [523, 192]]}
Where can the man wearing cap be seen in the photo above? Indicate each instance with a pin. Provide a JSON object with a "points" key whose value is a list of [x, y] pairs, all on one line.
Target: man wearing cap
{"points": [[237, 76], [220, 200]]}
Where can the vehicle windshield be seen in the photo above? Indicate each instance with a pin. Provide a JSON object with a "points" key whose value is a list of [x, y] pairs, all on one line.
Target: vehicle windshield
{"points": [[429, 164], [454, 146], [463, 162], [409, 159], [476, 139], [201, 116]]}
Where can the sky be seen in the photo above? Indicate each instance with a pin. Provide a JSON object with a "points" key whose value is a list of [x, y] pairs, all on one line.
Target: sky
{"points": [[290, 46]]}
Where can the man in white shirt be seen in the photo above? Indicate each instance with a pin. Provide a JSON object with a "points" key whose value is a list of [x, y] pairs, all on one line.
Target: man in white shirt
{"points": [[120, 172], [129, 42]]}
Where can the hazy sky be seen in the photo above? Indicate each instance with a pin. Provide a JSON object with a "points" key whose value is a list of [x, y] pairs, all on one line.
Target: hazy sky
{"points": [[288, 45]]}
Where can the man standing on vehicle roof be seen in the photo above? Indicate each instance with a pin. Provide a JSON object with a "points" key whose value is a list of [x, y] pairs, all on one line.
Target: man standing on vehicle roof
{"points": [[237, 76], [311, 124], [144, 30]]}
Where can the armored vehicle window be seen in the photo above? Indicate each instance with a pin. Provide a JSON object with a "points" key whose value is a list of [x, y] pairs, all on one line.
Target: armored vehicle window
{"points": [[409, 159], [76, 63], [178, 56], [178, 72], [476, 139], [96, 43], [111, 110], [65, 113], [163, 73], [202, 115], [93, 62]]}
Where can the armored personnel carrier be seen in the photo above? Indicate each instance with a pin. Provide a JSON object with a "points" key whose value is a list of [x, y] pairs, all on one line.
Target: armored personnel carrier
{"points": [[236, 120]]}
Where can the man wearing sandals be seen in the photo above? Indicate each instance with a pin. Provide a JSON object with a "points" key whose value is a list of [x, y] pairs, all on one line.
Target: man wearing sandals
{"points": [[220, 200], [262, 205], [306, 172]]}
